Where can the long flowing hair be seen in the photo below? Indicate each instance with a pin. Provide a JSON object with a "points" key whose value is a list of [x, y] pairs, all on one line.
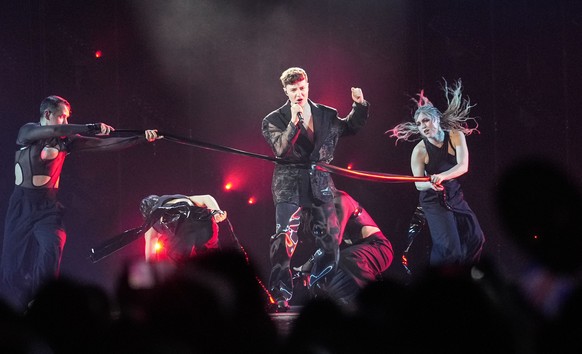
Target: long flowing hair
{"points": [[455, 117]]}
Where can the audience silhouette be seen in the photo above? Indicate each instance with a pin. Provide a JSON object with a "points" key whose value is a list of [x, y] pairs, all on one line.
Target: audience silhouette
{"points": [[540, 205]]}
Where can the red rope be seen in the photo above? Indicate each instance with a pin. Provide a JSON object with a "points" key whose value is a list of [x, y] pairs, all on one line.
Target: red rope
{"points": [[370, 176]]}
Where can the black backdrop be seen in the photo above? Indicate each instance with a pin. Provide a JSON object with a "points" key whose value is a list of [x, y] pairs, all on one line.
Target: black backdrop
{"points": [[209, 70]]}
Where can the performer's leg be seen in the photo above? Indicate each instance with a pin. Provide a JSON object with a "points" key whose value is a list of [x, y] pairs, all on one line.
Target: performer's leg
{"points": [[472, 236], [282, 247], [446, 244], [16, 264], [368, 259], [16, 267], [342, 288], [50, 236], [416, 225], [326, 230]]}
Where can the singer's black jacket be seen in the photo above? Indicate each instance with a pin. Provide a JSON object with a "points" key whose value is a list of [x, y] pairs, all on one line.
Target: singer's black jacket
{"points": [[290, 143]]}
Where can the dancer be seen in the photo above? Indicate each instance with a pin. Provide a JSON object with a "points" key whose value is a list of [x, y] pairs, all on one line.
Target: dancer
{"points": [[34, 235], [300, 133], [185, 225], [365, 254], [442, 154]]}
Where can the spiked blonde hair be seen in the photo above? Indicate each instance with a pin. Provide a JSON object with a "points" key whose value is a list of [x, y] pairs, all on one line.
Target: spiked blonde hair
{"points": [[455, 117]]}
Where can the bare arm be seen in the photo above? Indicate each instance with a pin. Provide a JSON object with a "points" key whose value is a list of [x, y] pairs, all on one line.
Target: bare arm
{"points": [[151, 238], [462, 153], [418, 161], [205, 201], [208, 201]]}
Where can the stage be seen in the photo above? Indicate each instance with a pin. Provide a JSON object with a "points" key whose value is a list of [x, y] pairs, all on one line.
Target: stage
{"points": [[284, 321]]}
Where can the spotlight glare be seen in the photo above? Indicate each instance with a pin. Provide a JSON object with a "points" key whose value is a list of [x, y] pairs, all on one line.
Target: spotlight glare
{"points": [[251, 200], [228, 186], [350, 166], [98, 54]]}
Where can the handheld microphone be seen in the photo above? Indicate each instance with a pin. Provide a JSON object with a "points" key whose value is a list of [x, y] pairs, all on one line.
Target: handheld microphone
{"points": [[300, 116]]}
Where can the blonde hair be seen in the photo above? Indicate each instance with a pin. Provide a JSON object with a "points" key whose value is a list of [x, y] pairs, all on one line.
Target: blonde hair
{"points": [[455, 117]]}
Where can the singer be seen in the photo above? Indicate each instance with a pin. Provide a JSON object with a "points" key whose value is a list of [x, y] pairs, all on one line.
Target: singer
{"points": [[305, 132], [34, 235]]}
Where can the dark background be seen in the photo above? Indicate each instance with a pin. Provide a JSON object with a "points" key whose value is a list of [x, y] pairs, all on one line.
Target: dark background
{"points": [[209, 70]]}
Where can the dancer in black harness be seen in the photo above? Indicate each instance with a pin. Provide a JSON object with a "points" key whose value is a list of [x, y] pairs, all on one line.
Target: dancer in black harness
{"points": [[34, 235]]}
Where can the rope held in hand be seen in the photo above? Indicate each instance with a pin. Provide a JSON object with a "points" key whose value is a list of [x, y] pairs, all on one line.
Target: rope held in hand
{"points": [[356, 174]]}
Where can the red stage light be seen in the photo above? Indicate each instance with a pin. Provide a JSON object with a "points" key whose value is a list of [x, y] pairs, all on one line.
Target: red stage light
{"points": [[159, 251], [251, 200], [228, 186], [98, 54], [350, 166]]}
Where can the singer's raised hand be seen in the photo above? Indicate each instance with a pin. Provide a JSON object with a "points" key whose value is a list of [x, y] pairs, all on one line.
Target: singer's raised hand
{"points": [[357, 95]]}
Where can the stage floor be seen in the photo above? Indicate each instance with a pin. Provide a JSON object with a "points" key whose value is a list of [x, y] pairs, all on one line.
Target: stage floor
{"points": [[285, 320]]}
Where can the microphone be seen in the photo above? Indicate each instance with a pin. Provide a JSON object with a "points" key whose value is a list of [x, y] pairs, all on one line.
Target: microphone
{"points": [[300, 116]]}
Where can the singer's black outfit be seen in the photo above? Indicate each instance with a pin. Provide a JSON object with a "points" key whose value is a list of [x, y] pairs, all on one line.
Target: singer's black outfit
{"points": [[297, 185], [34, 234], [186, 229], [456, 235]]}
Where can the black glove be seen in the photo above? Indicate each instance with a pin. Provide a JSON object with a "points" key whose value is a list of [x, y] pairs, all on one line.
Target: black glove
{"points": [[417, 223]]}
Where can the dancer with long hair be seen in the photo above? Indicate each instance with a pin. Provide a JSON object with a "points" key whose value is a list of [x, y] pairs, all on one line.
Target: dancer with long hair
{"points": [[443, 155]]}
